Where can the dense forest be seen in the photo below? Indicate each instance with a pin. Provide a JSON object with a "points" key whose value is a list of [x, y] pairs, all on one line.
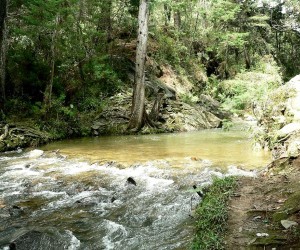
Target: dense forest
{"points": [[83, 68], [62, 59]]}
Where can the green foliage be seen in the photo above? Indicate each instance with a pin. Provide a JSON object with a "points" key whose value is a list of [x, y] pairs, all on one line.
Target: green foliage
{"points": [[75, 37], [17, 104], [212, 215], [234, 40], [169, 50], [103, 76], [90, 103], [189, 98], [270, 114], [27, 74], [227, 124], [90, 44], [63, 120], [250, 86], [223, 11]]}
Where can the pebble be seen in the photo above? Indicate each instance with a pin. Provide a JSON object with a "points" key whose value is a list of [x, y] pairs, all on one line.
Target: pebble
{"points": [[262, 235], [288, 223], [257, 218]]}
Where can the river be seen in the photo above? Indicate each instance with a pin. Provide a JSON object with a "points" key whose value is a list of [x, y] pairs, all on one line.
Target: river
{"points": [[74, 194]]}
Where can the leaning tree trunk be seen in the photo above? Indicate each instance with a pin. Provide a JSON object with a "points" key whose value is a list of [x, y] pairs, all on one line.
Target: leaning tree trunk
{"points": [[3, 46], [137, 118]]}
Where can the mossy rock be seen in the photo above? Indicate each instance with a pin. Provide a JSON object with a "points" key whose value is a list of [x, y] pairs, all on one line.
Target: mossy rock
{"points": [[280, 165], [273, 240], [277, 217], [2, 146], [290, 206]]}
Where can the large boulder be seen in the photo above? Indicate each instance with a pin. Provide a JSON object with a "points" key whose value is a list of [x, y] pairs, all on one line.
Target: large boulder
{"points": [[289, 129], [174, 115], [293, 103], [212, 106], [179, 116], [279, 120], [293, 149]]}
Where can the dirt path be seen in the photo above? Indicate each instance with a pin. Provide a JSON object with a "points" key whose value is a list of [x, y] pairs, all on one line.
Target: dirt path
{"points": [[259, 205]]}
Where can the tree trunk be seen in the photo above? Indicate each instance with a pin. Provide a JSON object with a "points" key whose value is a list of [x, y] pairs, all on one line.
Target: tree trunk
{"points": [[108, 13], [81, 42], [136, 121], [3, 47], [177, 19], [167, 11], [48, 91], [247, 58]]}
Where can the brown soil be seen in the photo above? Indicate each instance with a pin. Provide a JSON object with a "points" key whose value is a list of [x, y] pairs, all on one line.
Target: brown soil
{"points": [[261, 203]]}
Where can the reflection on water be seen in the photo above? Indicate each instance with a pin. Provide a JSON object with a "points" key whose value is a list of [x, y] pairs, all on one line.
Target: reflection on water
{"points": [[221, 147]]}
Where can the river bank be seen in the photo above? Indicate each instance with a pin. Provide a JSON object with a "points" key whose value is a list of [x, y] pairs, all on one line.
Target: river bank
{"points": [[264, 212], [112, 119], [255, 213], [21, 135]]}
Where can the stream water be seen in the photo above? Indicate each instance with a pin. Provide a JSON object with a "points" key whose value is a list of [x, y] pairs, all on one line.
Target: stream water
{"points": [[79, 197]]}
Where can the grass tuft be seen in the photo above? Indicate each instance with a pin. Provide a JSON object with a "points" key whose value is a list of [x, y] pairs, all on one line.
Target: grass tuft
{"points": [[212, 215]]}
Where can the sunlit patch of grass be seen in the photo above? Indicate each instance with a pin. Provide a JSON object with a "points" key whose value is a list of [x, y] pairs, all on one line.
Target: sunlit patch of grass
{"points": [[212, 215]]}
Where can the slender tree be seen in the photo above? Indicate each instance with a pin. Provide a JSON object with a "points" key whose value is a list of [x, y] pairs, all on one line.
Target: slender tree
{"points": [[49, 88], [177, 16], [3, 46], [139, 114], [167, 12]]}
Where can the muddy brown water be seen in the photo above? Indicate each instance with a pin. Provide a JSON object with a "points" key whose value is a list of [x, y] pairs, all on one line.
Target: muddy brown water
{"points": [[222, 148], [80, 195]]}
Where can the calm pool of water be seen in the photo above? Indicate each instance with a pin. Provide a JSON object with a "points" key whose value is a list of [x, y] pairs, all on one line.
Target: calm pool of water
{"points": [[222, 148]]}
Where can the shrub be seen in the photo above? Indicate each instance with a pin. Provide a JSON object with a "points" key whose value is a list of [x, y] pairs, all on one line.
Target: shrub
{"points": [[239, 93]]}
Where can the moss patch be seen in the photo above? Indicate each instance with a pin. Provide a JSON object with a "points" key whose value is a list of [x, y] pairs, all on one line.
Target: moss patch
{"points": [[290, 207], [271, 241]]}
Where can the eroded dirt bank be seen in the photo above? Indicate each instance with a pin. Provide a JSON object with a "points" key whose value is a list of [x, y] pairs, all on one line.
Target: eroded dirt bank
{"points": [[264, 213]]}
